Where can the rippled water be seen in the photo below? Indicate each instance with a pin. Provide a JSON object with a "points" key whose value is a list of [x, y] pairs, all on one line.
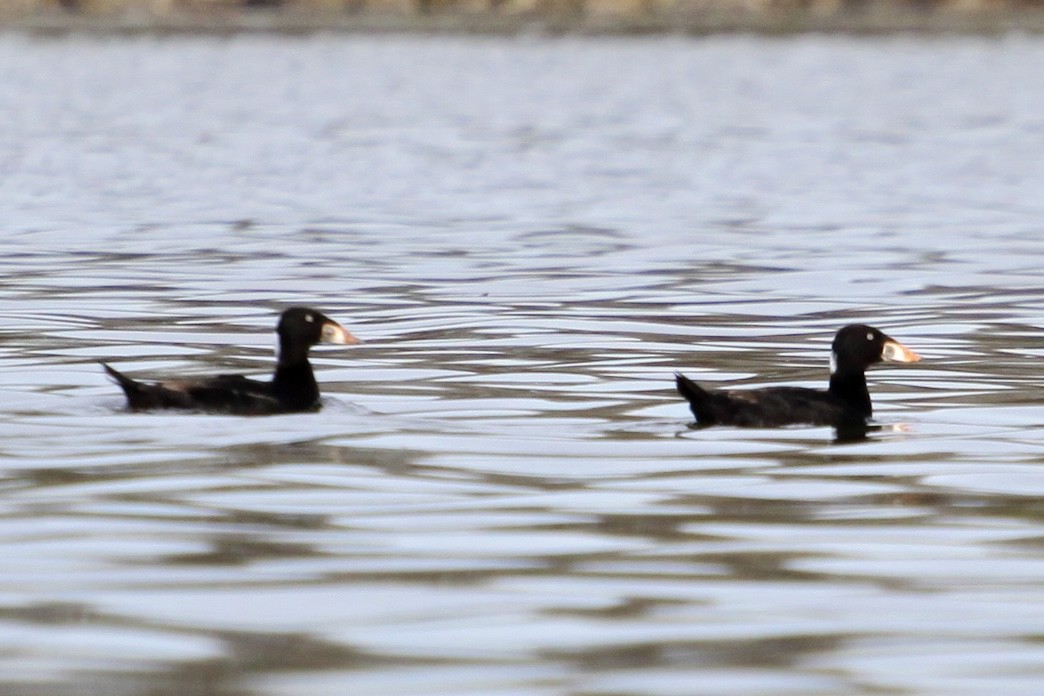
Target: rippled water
{"points": [[502, 495]]}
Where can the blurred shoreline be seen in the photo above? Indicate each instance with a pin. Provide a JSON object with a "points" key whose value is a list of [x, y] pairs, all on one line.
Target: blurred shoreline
{"points": [[509, 17]]}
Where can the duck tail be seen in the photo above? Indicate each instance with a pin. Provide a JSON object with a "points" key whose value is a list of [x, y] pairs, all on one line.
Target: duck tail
{"points": [[128, 385], [699, 398]]}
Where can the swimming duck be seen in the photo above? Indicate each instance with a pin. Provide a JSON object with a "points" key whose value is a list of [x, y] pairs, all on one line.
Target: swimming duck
{"points": [[845, 402], [292, 389]]}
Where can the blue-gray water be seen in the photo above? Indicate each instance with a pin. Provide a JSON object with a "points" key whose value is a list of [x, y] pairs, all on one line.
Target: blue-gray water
{"points": [[502, 496]]}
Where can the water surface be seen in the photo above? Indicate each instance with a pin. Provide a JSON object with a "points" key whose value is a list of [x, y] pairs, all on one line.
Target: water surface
{"points": [[502, 495]]}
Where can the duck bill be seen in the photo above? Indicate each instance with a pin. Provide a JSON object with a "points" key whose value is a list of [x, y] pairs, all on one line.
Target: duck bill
{"points": [[894, 351], [335, 333]]}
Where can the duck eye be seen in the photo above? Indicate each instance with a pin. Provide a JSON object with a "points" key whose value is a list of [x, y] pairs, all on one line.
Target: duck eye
{"points": [[310, 318], [869, 336]]}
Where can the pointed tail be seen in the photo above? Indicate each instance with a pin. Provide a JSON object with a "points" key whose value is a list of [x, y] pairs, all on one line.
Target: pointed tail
{"points": [[128, 385], [699, 398]]}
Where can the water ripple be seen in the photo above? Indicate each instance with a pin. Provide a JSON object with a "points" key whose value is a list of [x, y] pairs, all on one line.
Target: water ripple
{"points": [[502, 494]]}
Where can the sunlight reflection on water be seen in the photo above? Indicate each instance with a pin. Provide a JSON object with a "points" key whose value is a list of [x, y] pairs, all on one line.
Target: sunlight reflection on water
{"points": [[502, 494]]}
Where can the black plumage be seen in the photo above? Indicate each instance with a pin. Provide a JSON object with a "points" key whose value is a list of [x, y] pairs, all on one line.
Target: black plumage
{"points": [[846, 402], [292, 388]]}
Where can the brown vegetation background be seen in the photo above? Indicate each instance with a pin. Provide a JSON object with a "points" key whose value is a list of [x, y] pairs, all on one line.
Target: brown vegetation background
{"points": [[510, 15]]}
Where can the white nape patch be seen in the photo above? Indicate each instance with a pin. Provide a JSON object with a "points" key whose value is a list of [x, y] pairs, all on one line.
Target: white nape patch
{"points": [[833, 361]]}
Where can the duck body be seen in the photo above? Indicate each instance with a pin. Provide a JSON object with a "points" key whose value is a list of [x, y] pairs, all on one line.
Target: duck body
{"points": [[292, 389], [845, 402], [766, 408]]}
